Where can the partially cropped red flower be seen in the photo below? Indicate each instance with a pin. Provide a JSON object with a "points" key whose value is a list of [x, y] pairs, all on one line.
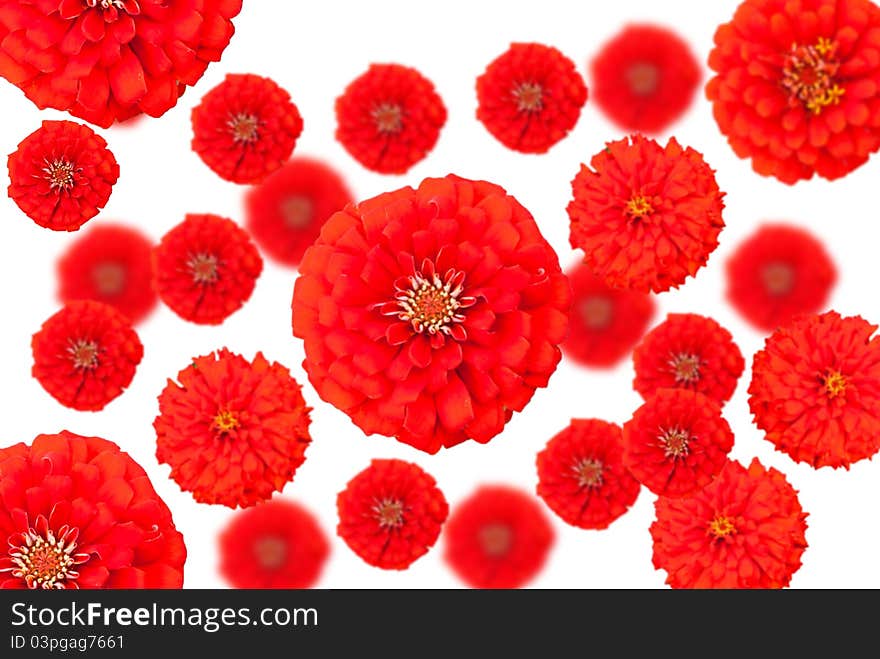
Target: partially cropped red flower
{"points": [[581, 475], [285, 212], [797, 85], [530, 97], [778, 272], [815, 390], [389, 118], [233, 431], [277, 544], [499, 537], [390, 514], [744, 530], [76, 512], [86, 354], [62, 174], [245, 128], [108, 60], [206, 268], [646, 216], [431, 315], [605, 323]]}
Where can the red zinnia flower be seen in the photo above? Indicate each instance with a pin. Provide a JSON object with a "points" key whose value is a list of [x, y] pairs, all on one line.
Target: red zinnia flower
{"points": [[815, 389], [206, 268], [277, 544], [530, 97], [499, 537], [431, 315], [109, 264], [581, 476], [233, 431], [777, 273], [645, 78], [676, 442], [797, 88], [108, 60], [245, 128], [390, 514], [62, 174], [744, 530], [286, 211], [605, 323], [86, 354], [646, 216], [76, 512]]}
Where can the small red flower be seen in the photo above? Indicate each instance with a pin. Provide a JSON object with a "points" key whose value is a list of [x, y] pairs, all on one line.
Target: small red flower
{"points": [[286, 211], [778, 272], [646, 216], [233, 431], [109, 264], [744, 530], [499, 537], [206, 268], [530, 97], [389, 118], [431, 315], [390, 514], [76, 512], [85, 355], [645, 78], [581, 475], [277, 544], [815, 390], [676, 442], [62, 174], [605, 323]]}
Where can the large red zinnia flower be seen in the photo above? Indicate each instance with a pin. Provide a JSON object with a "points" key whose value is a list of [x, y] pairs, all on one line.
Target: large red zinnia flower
{"points": [[797, 88], [744, 530], [777, 273], [76, 512], [62, 174], [815, 389], [647, 217], [431, 315], [233, 431], [108, 60], [390, 514]]}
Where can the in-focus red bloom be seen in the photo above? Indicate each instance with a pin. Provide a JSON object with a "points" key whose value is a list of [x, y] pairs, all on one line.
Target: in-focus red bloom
{"points": [[86, 354], [744, 530], [233, 431], [581, 475], [206, 268], [605, 323], [431, 315], [676, 442], [530, 97], [108, 60], [277, 544], [62, 174], [778, 272], [646, 216], [499, 537], [110, 263], [645, 78], [285, 212], [390, 514], [797, 88], [815, 389], [245, 128], [76, 512]]}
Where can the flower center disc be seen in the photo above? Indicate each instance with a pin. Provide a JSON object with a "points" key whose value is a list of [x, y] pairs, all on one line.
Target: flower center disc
{"points": [[59, 174], [244, 128], [685, 367], [639, 207], [835, 384], [271, 552], [721, 527], [431, 303], [496, 539], [529, 97], [83, 354], [389, 512], [225, 421], [778, 278], [643, 78], [203, 268], [675, 443], [388, 117], [809, 75], [596, 311], [297, 212], [46, 561], [588, 472], [109, 278]]}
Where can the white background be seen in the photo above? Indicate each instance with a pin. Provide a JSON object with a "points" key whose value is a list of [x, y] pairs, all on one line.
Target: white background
{"points": [[314, 50]]}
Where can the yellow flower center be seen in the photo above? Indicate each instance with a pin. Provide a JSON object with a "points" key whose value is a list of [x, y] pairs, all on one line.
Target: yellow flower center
{"points": [[46, 562], [675, 443], [83, 353], [588, 472], [835, 384], [685, 367], [809, 75], [226, 421], [244, 128], [60, 174], [639, 207], [529, 97], [721, 527], [203, 268], [389, 512]]}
